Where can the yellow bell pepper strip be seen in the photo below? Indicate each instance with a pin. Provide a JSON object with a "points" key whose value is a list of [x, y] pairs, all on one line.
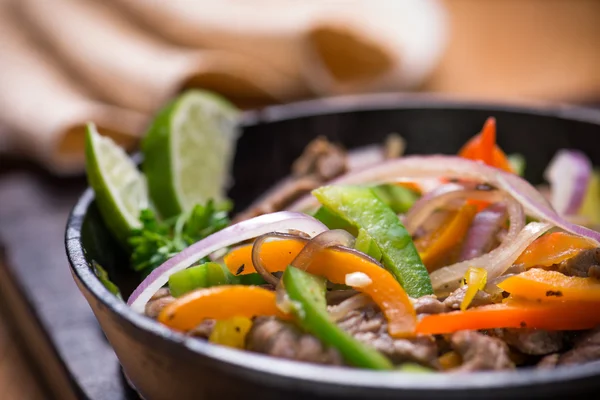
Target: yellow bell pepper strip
{"points": [[364, 210], [219, 302], [513, 313], [334, 265], [476, 279], [483, 147], [437, 244], [309, 305], [231, 332], [553, 248], [590, 208], [550, 286]]}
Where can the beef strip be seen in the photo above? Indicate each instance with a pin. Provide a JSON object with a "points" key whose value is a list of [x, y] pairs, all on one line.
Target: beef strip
{"points": [[429, 305], [322, 159], [549, 362], [455, 298], [320, 162], [394, 146], [276, 338], [369, 326], [586, 349], [160, 300], [537, 342], [280, 197], [584, 264], [480, 352]]}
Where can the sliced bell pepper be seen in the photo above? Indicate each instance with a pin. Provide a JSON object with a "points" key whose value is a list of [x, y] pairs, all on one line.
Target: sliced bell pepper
{"points": [[552, 249], [437, 244], [476, 279], [551, 286], [515, 314], [332, 221], [309, 306], [399, 197], [231, 332], [366, 244], [364, 210], [334, 265], [590, 207], [207, 275], [483, 147], [219, 302]]}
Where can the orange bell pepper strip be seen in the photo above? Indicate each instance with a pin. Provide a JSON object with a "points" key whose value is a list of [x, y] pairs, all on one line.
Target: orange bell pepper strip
{"points": [[553, 248], [551, 286], [515, 314], [219, 302], [334, 265], [437, 244], [483, 147]]}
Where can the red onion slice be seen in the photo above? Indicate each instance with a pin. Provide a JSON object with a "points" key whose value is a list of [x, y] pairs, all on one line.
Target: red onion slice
{"points": [[420, 167], [422, 208], [415, 218], [245, 230], [482, 231], [569, 174], [496, 262]]}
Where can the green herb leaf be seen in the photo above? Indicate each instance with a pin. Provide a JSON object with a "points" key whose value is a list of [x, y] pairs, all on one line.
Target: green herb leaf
{"points": [[157, 241]]}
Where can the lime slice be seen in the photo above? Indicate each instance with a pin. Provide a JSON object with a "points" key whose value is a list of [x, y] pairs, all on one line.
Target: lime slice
{"points": [[188, 152], [119, 187]]}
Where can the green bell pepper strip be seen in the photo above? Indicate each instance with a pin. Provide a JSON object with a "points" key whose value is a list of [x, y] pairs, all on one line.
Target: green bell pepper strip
{"points": [[518, 163], [207, 275], [332, 221], [363, 209], [366, 244], [309, 306], [398, 198]]}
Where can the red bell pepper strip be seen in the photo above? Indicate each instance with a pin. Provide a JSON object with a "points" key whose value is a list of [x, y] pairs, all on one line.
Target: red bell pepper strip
{"points": [[483, 147], [515, 314]]}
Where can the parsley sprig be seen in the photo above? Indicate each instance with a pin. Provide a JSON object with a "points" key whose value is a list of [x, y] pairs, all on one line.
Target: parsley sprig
{"points": [[157, 241]]}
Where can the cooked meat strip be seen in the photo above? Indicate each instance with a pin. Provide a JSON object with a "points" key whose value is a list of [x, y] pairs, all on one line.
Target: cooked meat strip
{"points": [[455, 298], [394, 146], [584, 264], [320, 162], [549, 362], [480, 352], [429, 304], [280, 196], [537, 342], [204, 329], [369, 326], [160, 300], [586, 349], [276, 338], [322, 159]]}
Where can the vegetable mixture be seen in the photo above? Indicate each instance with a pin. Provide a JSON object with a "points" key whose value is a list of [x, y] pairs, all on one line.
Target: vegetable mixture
{"points": [[417, 263]]}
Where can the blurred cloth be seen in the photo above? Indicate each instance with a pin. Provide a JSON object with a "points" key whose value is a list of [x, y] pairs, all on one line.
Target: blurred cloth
{"points": [[64, 63], [115, 62]]}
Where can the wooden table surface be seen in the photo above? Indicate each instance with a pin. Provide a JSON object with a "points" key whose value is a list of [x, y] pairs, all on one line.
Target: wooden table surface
{"points": [[18, 381]]}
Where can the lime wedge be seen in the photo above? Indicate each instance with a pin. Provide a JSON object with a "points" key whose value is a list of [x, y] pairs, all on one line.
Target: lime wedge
{"points": [[119, 187], [188, 152]]}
